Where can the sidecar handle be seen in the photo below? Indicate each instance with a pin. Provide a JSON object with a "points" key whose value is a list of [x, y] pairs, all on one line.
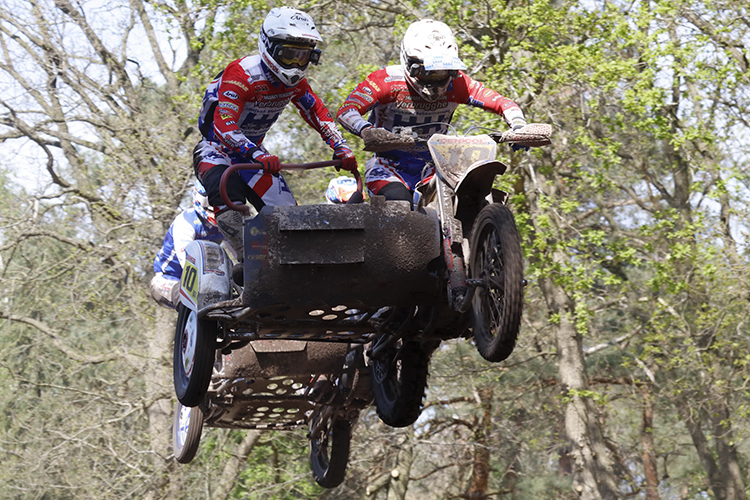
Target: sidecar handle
{"points": [[284, 166]]}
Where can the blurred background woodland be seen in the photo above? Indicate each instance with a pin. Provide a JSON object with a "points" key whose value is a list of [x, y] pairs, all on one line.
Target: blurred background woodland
{"points": [[630, 378]]}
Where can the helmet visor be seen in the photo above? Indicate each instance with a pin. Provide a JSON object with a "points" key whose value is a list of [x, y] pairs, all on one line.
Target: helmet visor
{"points": [[416, 70], [295, 56]]}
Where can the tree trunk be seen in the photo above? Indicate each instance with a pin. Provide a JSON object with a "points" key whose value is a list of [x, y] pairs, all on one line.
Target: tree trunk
{"points": [[480, 473], [593, 474], [647, 445], [233, 465], [158, 375], [729, 467], [701, 446]]}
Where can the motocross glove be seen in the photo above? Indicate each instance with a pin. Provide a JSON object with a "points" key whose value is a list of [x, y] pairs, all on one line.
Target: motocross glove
{"points": [[271, 163], [518, 124], [343, 153]]}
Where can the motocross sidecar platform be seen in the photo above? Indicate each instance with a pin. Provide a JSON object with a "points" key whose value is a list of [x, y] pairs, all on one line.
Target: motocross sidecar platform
{"points": [[319, 272], [284, 385], [268, 384]]}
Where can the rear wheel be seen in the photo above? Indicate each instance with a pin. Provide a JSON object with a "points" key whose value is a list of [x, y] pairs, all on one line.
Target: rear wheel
{"points": [[399, 380], [186, 432], [497, 263], [194, 351], [329, 452]]}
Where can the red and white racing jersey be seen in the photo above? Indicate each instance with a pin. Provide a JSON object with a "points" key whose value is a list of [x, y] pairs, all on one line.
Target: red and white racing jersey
{"points": [[394, 105], [242, 103]]}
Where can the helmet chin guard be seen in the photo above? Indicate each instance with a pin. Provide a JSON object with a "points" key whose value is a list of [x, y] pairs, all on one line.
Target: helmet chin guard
{"points": [[429, 58], [287, 44]]}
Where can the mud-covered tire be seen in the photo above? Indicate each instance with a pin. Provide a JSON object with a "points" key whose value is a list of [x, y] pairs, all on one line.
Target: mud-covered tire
{"points": [[194, 352], [497, 261], [186, 432], [329, 453], [398, 390]]}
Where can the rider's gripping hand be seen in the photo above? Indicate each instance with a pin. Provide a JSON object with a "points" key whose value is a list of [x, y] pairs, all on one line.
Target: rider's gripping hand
{"points": [[518, 124], [343, 153], [271, 163]]}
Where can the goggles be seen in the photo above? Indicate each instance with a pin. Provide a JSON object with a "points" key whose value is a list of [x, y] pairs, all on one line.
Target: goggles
{"points": [[295, 56], [416, 70]]}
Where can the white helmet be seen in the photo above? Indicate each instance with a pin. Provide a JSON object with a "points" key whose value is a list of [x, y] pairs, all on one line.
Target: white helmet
{"points": [[429, 56], [340, 190], [287, 44], [200, 203]]}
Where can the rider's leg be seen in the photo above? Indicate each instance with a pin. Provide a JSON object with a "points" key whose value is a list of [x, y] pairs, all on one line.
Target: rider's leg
{"points": [[165, 290], [229, 221], [396, 191]]}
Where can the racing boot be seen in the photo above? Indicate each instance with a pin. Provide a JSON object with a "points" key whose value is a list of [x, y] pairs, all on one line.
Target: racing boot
{"points": [[230, 226]]}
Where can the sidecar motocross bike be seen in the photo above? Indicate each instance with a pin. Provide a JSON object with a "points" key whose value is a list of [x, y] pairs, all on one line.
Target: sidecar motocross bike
{"points": [[345, 304]]}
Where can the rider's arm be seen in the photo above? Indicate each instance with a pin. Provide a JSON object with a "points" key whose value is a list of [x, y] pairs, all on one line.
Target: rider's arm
{"points": [[233, 93], [315, 113], [369, 93], [469, 91], [183, 233]]}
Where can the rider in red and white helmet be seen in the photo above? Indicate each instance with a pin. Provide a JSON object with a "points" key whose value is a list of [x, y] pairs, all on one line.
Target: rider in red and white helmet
{"points": [[241, 105], [420, 96], [429, 57], [287, 44]]}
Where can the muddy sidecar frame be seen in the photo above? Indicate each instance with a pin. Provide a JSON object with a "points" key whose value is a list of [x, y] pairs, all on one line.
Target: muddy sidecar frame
{"points": [[319, 272], [314, 277]]}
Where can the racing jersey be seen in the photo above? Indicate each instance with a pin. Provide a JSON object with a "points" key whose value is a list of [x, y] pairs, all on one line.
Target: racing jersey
{"points": [[393, 105], [242, 103], [185, 228]]}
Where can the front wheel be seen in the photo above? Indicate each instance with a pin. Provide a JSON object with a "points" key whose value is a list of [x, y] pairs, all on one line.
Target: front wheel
{"points": [[194, 351], [329, 452], [399, 379], [496, 262], [186, 432]]}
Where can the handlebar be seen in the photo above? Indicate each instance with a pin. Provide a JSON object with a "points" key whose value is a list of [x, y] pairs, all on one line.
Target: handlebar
{"points": [[284, 166]]}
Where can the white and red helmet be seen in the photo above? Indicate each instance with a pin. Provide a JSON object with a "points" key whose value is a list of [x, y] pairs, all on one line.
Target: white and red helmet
{"points": [[287, 44], [340, 190], [200, 202], [429, 57]]}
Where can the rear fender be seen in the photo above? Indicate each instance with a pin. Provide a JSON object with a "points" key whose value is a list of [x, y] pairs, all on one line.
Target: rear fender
{"points": [[206, 277]]}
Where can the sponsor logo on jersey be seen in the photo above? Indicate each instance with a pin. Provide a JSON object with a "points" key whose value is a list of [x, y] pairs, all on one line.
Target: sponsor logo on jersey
{"points": [[228, 105], [365, 97], [372, 84], [231, 95], [353, 100], [225, 117], [367, 90], [307, 101], [239, 84], [277, 97]]}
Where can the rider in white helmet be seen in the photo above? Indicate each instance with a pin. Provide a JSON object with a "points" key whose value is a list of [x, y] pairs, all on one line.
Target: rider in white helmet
{"points": [[287, 44], [429, 57], [340, 190], [419, 95], [195, 223], [240, 106]]}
